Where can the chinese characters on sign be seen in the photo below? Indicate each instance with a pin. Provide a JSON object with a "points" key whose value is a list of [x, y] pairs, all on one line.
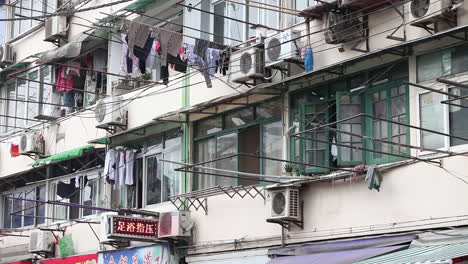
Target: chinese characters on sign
{"points": [[134, 227]]}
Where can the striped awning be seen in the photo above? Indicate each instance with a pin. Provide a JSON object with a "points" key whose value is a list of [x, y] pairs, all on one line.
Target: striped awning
{"points": [[440, 254]]}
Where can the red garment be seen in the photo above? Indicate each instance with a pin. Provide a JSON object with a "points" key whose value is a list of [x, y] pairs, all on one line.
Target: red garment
{"points": [[14, 150], [64, 81], [158, 46]]}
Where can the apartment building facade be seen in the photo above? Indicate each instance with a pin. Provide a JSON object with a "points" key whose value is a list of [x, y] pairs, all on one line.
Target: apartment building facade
{"points": [[295, 136]]}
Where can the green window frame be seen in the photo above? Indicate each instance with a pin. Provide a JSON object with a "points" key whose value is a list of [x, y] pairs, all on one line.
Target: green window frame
{"points": [[347, 105], [388, 101], [315, 152], [261, 119]]}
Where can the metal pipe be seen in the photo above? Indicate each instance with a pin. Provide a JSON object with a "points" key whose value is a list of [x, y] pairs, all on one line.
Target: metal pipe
{"points": [[454, 99], [295, 162], [378, 118], [54, 218], [34, 102], [366, 149], [226, 176], [415, 127], [430, 89], [103, 72], [56, 85], [389, 142], [457, 84], [66, 204], [266, 8], [20, 118], [255, 175]]}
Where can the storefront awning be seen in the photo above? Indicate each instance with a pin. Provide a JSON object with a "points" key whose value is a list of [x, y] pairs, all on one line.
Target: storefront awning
{"points": [[431, 254], [84, 43], [74, 153], [337, 257]]}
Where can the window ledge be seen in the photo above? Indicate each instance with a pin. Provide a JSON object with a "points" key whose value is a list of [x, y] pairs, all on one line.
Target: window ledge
{"points": [[456, 149], [28, 32]]}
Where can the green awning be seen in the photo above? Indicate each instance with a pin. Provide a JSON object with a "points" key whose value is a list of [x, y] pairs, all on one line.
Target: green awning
{"points": [[138, 5], [74, 153], [439, 254], [17, 66]]}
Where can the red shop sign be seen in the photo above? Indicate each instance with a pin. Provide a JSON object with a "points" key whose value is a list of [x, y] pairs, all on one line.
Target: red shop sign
{"points": [[83, 259], [133, 227]]}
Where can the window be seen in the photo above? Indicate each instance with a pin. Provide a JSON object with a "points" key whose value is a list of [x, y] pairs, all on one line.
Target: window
{"points": [[25, 95], [84, 192], [162, 180], [350, 105], [449, 119], [436, 64], [155, 179], [21, 213], [28, 8], [255, 130], [238, 31]]}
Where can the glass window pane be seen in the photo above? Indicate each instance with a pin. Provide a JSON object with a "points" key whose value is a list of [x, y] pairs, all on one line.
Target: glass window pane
{"points": [[74, 212], [206, 150], [25, 12], [11, 105], [17, 221], [153, 180], [172, 139], [239, 118], [7, 209], [271, 17], [398, 105], [219, 22], [33, 97], [41, 195], [253, 18], [457, 118], [380, 109], [226, 145], [21, 106], [434, 65], [29, 208], [60, 211], [269, 110], [236, 28], [431, 116], [171, 178], [209, 126], [460, 59], [272, 147], [90, 193]]}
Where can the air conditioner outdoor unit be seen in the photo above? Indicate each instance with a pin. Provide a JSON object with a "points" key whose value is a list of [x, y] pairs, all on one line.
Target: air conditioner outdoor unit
{"points": [[425, 12], [105, 227], [31, 143], [176, 224], [109, 112], [7, 56], [246, 64], [283, 204], [282, 46], [41, 242], [344, 27], [56, 28]]}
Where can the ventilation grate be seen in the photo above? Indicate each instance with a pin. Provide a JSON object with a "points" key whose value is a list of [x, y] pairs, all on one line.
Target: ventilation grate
{"points": [[293, 203]]}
